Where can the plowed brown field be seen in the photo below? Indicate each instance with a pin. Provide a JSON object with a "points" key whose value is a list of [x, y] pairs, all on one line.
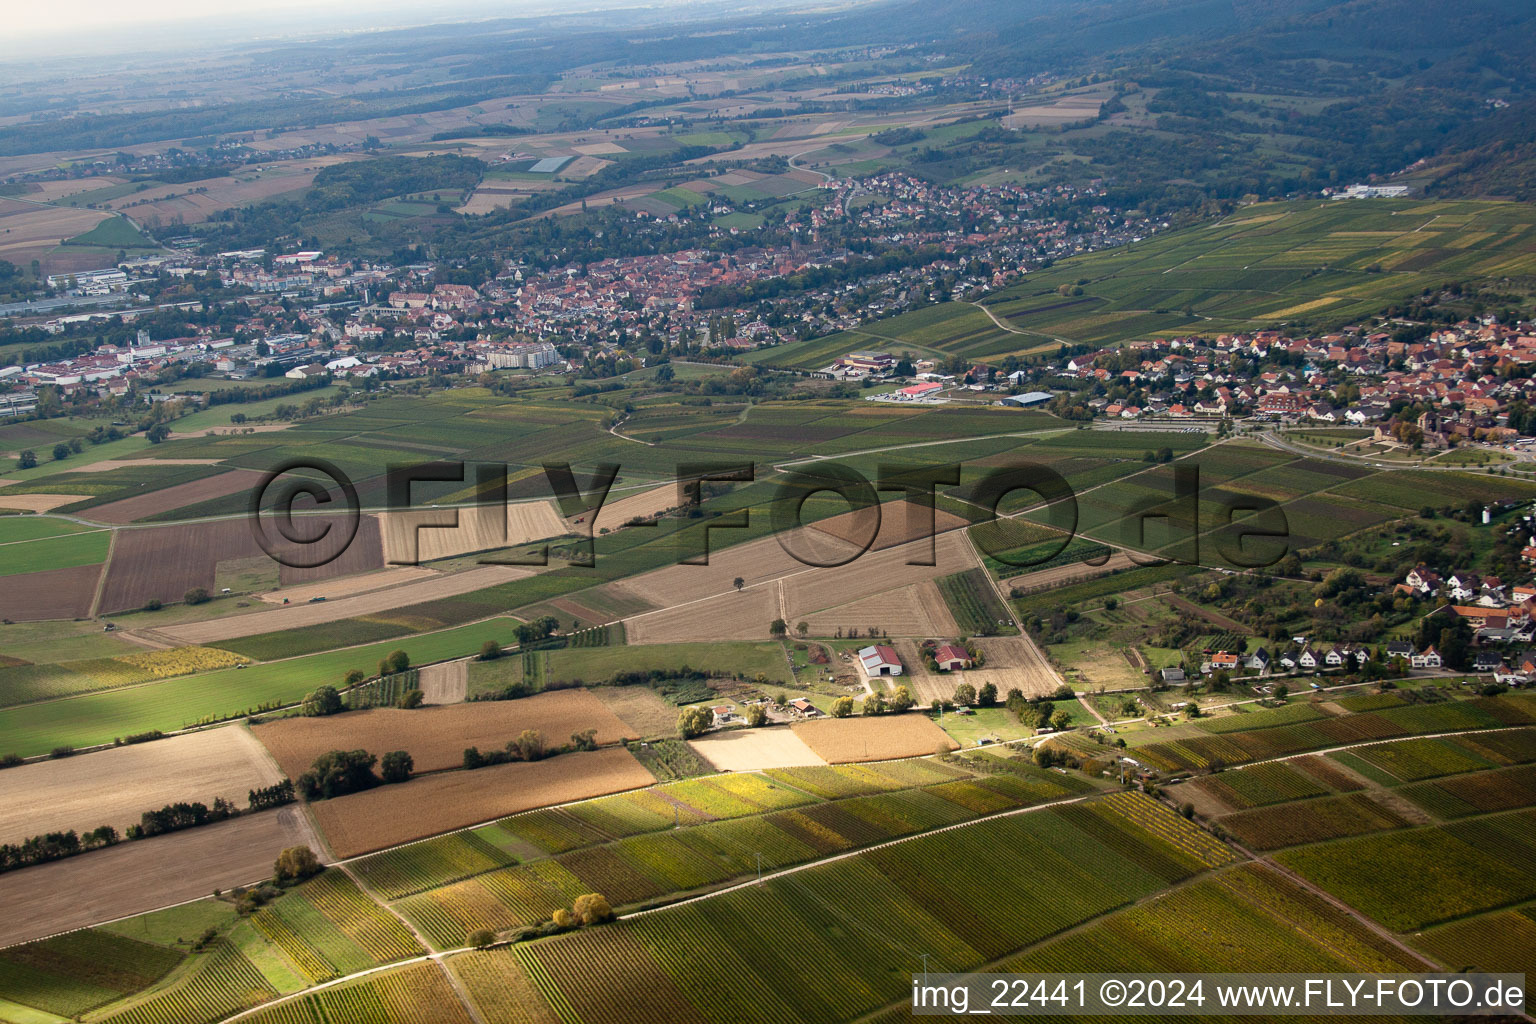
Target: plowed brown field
{"points": [[436, 736], [391, 815]]}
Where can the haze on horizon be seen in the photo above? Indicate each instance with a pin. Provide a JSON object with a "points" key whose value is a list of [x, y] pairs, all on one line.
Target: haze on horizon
{"points": [[37, 33]]}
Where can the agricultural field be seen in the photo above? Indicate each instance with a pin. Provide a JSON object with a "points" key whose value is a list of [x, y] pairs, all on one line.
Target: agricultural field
{"points": [[433, 804], [436, 737], [148, 874], [170, 704], [879, 738], [114, 786]]}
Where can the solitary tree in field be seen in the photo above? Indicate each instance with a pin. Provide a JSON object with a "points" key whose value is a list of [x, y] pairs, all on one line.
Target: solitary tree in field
{"points": [[490, 650], [60, 452], [296, 864], [480, 938], [802, 628], [778, 628], [738, 583], [27, 459], [395, 661]]}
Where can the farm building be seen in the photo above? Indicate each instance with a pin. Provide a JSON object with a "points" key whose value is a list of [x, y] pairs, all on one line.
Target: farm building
{"points": [[1028, 399], [950, 657], [880, 660], [805, 707], [918, 391]]}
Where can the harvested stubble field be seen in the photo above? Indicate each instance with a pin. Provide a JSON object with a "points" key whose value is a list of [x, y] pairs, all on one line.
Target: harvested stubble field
{"points": [[728, 616], [640, 708], [53, 594], [350, 586], [298, 616], [135, 877], [700, 603], [409, 536], [437, 736], [750, 750], [899, 523], [38, 502], [444, 683], [168, 499], [1057, 575], [31, 231], [915, 611], [391, 815], [1012, 662], [616, 512], [874, 573], [877, 738], [113, 787]]}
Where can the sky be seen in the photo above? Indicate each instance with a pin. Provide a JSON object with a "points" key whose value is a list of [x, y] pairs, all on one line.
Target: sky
{"points": [[38, 31]]}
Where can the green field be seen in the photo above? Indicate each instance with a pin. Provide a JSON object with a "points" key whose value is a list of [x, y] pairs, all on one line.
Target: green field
{"points": [[20, 528], [58, 552], [598, 664], [187, 700], [113, 233]]}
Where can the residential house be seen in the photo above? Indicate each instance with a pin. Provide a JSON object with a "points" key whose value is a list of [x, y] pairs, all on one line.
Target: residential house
{"points": [[950, 657]]}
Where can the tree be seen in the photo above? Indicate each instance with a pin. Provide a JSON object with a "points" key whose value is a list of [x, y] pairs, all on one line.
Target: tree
{"points": [[353, 677], [802, 628], [874, 703], [397, 766], [777, 628], [842, 707], [490, 650], [157, 433], [325, 700], [480, 938], [197, 595], [1060, 719], [296, 864], [756, 716], [60, 452], [694, 722], [530, 745], [1282, 691], [965, 694], [593, 908], [395, 661], [27, 459], [738, 583], [901, 700], [987, 695], [410, 700], [563, 919], [337, 773]]}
